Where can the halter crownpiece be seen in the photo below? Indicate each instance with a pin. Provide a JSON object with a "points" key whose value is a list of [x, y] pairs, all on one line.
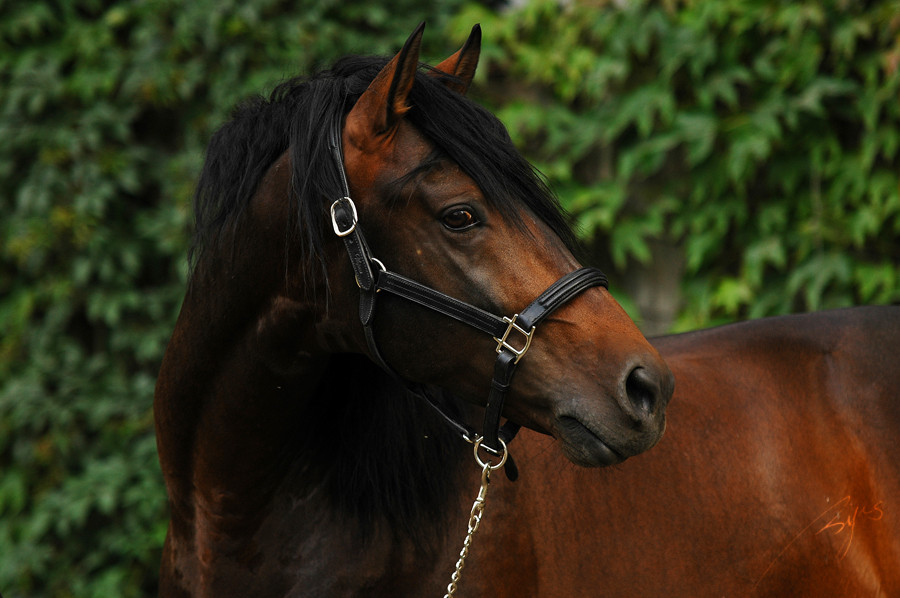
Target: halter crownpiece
{"points": [[513, 335]]}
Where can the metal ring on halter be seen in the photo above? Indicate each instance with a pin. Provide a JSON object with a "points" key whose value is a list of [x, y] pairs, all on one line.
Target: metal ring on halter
{"points": [[484, 464], [377, 263]]}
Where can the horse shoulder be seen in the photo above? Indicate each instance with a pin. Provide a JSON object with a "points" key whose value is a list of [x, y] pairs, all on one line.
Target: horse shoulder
{"points": [[793, 420]]}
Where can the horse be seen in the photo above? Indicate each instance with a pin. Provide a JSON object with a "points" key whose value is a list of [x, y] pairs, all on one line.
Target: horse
{"points": [[319, 403]]}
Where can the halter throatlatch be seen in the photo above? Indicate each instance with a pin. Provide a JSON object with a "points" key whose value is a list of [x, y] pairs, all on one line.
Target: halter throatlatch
{"points": [[513, 335]]}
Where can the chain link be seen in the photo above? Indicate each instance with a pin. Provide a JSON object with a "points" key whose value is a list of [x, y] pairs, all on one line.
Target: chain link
{"points": [[475, 515]]}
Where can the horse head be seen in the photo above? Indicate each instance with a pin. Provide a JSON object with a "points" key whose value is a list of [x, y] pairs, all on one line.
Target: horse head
{"points": [[446, 201]]}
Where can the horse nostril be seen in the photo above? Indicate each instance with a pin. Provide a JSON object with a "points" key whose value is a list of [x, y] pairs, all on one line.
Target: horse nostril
{"points": [[642, 390]]}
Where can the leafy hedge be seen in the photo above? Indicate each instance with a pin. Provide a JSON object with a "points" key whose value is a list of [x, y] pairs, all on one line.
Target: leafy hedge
{"points": [[761, 138]]}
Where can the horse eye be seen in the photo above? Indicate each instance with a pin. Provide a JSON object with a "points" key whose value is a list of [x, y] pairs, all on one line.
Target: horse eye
{"points": [[459, 218]]}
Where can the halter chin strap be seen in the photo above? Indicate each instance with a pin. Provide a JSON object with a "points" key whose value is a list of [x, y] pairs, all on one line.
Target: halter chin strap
{"points": [[512, 335]]}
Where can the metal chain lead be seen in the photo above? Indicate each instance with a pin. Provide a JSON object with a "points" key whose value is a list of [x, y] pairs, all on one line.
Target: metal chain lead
{"points": [[475, 516]]}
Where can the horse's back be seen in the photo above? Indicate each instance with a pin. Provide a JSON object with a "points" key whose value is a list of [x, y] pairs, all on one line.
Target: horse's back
{"points": [[777, 476]]}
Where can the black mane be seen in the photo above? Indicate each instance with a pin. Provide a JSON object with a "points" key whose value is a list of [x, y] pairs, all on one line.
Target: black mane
{"points": [[297, 115], [380, 453]]}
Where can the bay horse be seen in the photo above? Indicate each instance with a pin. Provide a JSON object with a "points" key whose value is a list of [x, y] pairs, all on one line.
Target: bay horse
{"points": [[313, 402]]}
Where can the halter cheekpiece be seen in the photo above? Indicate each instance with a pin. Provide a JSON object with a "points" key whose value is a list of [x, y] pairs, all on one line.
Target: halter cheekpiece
{"points": [[513, 335]]}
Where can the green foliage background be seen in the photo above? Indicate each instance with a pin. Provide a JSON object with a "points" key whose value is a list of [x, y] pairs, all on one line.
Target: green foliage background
{"points": [[758, 138]]}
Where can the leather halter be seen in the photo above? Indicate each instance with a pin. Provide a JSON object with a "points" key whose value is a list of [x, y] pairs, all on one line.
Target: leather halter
{"points": [[513, 335]]}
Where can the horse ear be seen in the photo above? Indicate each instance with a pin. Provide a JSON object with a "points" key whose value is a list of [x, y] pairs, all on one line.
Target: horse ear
{"points": [[462, 65], [378, 110]]}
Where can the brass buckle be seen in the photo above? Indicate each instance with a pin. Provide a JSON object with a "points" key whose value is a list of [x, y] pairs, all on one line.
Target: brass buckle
{"points": [[503, 343]]}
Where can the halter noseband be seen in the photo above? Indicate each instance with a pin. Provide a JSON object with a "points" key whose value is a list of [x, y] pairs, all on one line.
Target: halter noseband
{"points": [[513, 335]]}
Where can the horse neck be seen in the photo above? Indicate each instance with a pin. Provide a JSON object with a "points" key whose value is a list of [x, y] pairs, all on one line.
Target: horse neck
{"points": [[215, 394], [250, 406]]}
